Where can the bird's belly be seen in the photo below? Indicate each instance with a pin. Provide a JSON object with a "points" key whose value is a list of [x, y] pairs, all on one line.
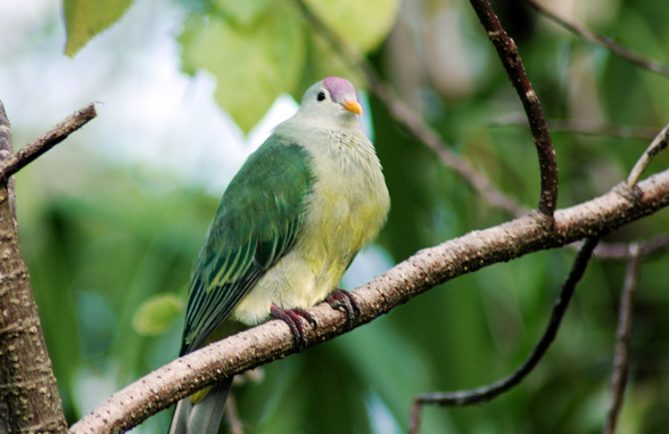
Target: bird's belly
{"points": [[334, 232], [302, 278], [346, 210]]}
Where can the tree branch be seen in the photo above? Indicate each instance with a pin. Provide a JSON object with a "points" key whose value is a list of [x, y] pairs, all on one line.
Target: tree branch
{"points": [[658, 144], [29, 399], [622, 251], [491, 391], [621, 359], [581, 127], [604, 41], [47, 141], [513, 64], [417, 126], [424, 270]]}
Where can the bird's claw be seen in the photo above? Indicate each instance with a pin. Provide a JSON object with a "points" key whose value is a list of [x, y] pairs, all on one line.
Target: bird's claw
{"points": [[292, 319], [344, 301]]}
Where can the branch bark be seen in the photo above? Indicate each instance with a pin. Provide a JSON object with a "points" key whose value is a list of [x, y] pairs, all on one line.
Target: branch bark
{"points": [[29, 399], [424, 270], [513, 64], [657, 145], [57, 134]]}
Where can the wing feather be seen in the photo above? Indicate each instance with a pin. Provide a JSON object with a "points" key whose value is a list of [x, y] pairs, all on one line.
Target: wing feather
{"points": [[257, 223]]}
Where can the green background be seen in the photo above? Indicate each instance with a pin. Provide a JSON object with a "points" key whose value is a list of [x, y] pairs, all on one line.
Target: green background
{"points": [[104, 235]]}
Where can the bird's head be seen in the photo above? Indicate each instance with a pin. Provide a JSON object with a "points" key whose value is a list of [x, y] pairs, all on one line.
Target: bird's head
{"points": [[332, 98]]}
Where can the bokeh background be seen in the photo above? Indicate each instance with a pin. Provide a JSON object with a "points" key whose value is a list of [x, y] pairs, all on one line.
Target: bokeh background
{"points": [[111, 220]]}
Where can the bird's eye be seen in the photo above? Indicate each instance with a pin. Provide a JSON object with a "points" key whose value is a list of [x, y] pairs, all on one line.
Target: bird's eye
{"points": [[320, 96]]}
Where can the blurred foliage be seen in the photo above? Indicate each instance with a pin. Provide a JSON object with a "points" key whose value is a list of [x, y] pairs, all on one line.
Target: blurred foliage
{"points": [[238, 43], [264, 66], [104, 243], [157, 314]]}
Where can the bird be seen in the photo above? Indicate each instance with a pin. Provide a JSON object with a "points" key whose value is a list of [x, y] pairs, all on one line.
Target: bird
{"points": [[288, 226]]}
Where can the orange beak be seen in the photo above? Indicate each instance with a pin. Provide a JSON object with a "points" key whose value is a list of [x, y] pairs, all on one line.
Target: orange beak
{"points": [[353, 106]]}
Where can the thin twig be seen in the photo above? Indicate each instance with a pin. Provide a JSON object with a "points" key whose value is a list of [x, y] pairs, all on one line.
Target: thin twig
{"points": [[57, 134], [413, 122], [622, 251], [606, 42], [621, 357], [654, 245], [580, 127], [658, 144], [486, 393], [232, 416], [575, 126], [513, 64], [417, 126]]}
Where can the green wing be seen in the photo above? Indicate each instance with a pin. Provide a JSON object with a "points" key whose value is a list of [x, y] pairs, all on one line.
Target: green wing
{"points": [[257, 222]]}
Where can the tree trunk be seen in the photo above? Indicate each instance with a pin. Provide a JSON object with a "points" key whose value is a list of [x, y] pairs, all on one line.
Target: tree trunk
{"points": [[29, 399]]}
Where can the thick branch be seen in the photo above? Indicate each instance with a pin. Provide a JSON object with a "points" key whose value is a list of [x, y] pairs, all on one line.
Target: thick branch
{"points": [[424, 270], [604, 41], [510, 56], [47, 141], [29, 400]]}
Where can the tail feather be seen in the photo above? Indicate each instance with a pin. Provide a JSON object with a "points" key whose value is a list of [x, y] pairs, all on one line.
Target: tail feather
{"points": [[205, 416]]}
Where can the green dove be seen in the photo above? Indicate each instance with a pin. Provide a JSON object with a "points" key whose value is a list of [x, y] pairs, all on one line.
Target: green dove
{"points": [[288, 226]]}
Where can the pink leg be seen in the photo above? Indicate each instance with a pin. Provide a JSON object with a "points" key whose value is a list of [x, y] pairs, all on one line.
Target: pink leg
{"points": [[344, 301], [292, 317]]}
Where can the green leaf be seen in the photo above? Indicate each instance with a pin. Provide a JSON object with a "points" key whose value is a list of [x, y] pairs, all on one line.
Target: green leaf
{"points": [[85, 19], [324, 61], [242, 12], [252, 64], [156, 314], [362, 25]]}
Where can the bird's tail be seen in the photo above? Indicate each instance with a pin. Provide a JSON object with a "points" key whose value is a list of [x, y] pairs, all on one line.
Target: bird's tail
{"points": [[203, 417]]}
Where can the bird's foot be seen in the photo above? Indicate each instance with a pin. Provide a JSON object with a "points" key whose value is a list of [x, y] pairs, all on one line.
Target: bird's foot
{"points": [[292, 318], [344, 301]]}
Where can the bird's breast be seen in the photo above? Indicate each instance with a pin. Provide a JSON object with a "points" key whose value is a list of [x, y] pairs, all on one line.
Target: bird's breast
{"points": [[349, 202], [346, 209]]}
